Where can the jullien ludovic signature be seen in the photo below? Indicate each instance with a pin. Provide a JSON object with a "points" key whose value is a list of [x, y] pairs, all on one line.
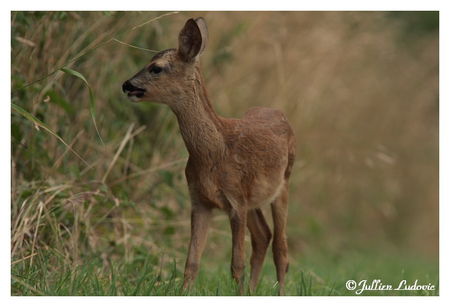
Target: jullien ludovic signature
{"points": [[377, 285]]}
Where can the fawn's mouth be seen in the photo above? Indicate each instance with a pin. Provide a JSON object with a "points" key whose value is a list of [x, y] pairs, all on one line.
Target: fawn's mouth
{"points": [[137, 93], [133, 92]]}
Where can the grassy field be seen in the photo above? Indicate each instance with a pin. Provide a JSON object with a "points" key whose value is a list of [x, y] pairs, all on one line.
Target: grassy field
{"points": [[318, 275], [99, 203]]}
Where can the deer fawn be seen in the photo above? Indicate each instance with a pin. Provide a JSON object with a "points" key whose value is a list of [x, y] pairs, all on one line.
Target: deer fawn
{"points": [[237, 165]]}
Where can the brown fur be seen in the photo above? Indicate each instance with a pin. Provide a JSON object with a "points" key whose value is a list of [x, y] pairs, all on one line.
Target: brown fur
{"points": [[236, 165]]}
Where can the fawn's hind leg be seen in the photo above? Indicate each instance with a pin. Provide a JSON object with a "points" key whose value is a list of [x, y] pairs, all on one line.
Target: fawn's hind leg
{"points": [[261, 236], [279, 245]]}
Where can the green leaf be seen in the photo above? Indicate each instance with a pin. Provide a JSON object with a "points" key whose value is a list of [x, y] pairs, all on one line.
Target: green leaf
{"points": [[91, 96], [44, 126]]}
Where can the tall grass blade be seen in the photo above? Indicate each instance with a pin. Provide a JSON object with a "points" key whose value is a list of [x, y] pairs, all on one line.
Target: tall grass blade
{"points": [[91, 96], [44, 126], [132, 46], [125, 140]]}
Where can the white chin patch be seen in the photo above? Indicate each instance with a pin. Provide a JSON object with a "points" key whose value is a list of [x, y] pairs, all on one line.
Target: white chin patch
{"points": [[134, 98]]}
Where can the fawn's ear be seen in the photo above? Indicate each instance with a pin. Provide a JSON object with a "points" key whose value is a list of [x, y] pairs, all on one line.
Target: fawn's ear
{"points": [[192, 39]]}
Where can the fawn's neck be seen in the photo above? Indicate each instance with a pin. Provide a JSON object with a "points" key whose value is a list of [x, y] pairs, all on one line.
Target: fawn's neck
{"points": [[199, 124]]}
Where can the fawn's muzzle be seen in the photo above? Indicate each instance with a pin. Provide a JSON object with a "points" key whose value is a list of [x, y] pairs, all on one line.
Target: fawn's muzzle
{"points": [[132, 90]]}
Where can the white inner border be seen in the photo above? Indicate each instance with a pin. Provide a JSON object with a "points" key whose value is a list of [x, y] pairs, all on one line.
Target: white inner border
{"points": [[230, 5]]}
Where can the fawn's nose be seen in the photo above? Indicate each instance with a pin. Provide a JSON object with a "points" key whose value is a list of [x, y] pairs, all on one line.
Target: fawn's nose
{"points": [[128, 87]]}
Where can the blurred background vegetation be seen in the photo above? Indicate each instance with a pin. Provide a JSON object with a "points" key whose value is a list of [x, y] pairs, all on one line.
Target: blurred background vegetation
{"points": [[360, 90]]}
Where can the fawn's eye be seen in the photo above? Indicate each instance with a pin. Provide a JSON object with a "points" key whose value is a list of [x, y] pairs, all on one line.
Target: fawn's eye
{"points": [[154, 69]]}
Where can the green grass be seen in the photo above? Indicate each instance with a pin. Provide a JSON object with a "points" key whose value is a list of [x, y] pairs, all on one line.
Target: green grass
{"points": [[150, 276]]}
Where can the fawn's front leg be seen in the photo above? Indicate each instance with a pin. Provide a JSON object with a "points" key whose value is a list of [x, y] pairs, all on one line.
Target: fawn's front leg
{"points": [[200, 217], [238, 221]]}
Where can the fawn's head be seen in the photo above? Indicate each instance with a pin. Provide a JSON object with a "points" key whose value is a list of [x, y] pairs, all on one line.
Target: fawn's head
{"points": [[170, 72]]}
